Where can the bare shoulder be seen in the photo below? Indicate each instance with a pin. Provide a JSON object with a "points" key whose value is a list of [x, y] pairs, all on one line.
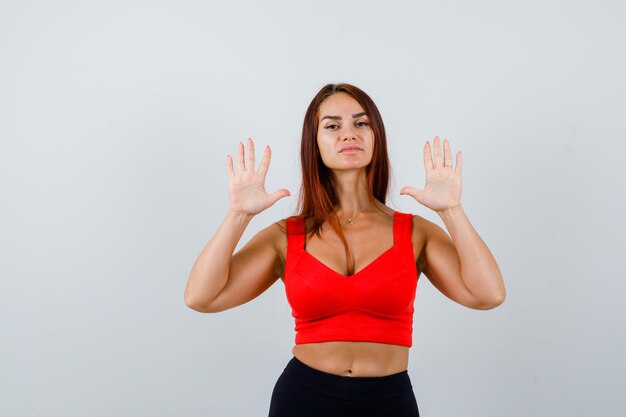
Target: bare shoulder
{"points": [[421, 224], [275, 233]]}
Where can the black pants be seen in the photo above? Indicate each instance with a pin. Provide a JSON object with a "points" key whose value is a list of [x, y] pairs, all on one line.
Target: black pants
{"points": [[302, 391]]}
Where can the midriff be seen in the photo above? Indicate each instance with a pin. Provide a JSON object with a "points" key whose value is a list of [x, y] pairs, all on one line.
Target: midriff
{"points": [[360, 359]]}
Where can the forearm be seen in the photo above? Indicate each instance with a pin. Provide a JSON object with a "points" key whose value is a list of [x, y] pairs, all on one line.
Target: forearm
{"points": [[209, 273], [479, 269]]}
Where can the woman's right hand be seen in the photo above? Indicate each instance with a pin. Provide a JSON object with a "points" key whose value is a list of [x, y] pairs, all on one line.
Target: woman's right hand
{"points": [[246, 187]]}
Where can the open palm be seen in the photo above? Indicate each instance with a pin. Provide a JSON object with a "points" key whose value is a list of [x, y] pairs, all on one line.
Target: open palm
{"points": [[443, 183], [247, 187]]}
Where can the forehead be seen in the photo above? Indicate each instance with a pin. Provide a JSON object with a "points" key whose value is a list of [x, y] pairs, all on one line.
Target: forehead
{"points": [[339, 104]]}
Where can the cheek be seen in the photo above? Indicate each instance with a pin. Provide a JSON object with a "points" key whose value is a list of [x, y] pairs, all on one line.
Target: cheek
{"points": [[323, 147], [372, 144]]}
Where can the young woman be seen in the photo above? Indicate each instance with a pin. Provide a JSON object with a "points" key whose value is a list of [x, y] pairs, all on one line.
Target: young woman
{"points": [[349, 263]]}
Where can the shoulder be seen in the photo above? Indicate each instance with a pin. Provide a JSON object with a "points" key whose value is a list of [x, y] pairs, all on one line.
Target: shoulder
{"points": [[421, 224], [278, 231], [427, 230], [273, 235]]}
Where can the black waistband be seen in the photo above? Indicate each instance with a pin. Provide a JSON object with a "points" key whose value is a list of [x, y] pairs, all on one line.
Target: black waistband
{"points": [[348, 387]]}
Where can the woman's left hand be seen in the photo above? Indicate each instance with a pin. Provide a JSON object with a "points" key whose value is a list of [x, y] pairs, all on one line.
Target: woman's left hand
{"points": [[443, 183]]}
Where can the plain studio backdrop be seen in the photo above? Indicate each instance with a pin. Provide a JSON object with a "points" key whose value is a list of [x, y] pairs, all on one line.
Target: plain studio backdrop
{"points": [[115, 122]]}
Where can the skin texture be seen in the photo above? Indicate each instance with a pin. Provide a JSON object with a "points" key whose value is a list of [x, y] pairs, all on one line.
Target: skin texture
{"points": [[457, 263]]}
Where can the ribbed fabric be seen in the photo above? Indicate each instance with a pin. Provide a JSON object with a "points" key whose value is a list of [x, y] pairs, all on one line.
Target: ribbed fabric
{"points": [[373, 305]]}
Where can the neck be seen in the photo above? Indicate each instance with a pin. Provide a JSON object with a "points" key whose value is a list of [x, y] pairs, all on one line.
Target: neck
{"points": [[351, 188]]}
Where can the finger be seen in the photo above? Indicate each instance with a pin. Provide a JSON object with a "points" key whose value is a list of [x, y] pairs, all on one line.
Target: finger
{"points": [[250, 161], [229, 166], [412, 191], [277, 195], [447, 154], [428, 159], [459, 163], [241, 167], [265, 162], [437, 152]]}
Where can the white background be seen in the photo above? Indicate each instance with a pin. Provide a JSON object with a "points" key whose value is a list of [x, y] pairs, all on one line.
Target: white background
{"points": [[115, 121]]}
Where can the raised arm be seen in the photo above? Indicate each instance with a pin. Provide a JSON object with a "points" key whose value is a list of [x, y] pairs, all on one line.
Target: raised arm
{"points": [[461, 266], [253, 269]]}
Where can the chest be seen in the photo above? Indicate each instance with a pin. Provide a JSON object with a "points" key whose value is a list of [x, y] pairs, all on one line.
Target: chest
{"points": [[385, 286], [363, 249]]}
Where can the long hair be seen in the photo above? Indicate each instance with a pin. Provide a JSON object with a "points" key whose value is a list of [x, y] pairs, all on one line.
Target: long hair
{"points": [[317, 198]]}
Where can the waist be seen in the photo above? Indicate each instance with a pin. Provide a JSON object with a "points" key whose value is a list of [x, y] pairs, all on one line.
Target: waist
{"points": [[356, 359], [350, 389]]}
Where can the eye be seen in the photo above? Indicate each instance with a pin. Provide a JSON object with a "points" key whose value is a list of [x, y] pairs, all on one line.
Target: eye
{"points": [[329, 126], [364, 123]]}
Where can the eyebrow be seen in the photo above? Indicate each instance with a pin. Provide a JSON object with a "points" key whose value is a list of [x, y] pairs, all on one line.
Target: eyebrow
{"points": [[339, 117]]}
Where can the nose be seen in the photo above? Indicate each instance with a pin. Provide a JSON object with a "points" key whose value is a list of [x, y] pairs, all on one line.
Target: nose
{"points": [[348, 133]]}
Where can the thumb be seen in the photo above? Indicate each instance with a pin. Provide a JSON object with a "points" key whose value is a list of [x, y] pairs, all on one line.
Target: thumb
{"points": [[277, 195], [413, 192]]}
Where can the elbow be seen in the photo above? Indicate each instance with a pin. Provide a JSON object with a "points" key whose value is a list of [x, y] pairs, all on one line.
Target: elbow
{"points": [[501, 297], [487, 303], [494, 302], [196, 306]]}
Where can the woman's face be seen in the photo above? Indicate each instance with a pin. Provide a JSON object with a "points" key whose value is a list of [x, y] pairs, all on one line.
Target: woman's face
{"points": [[344, 135]]}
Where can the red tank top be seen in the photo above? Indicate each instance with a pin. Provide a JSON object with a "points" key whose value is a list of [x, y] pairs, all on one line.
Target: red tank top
{"points": [[373, 305]]}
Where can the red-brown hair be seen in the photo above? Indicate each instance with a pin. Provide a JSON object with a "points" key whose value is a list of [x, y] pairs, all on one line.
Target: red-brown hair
{"points": [[317, 198]]}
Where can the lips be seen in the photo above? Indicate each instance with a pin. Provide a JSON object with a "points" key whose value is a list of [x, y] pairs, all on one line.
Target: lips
{"points": [[351, 148]]}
